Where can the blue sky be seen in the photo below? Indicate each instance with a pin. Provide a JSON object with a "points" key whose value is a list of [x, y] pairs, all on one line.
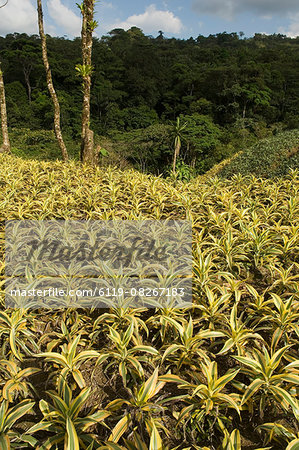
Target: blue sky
{"points": [[178, 18]]}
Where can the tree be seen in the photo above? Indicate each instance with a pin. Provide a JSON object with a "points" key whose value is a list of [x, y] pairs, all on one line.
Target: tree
{"points": [[24, 53], [51, 89], [178, 129], [6, 144], [201, 136], [88, 153], [147, 147]]}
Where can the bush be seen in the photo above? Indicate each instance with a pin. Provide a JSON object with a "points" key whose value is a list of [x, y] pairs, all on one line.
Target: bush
{"points": [[40, 144]]}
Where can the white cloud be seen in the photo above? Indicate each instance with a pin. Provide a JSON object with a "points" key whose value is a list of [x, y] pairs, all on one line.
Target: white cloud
{"points": [[64, 17], [18, 16], [51, 30], [227, 9], [107, 5], [293, 30], [152, 20]]}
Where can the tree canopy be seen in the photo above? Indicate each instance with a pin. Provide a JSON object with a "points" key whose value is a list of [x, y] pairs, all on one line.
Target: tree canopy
{"points": [[230, 88]]}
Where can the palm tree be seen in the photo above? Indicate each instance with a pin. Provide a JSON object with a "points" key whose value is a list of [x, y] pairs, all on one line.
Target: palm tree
{"points": [[178, 136]]}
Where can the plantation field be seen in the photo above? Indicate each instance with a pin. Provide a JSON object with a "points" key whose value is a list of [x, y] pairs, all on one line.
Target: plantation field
{"points": [[222, 374]]}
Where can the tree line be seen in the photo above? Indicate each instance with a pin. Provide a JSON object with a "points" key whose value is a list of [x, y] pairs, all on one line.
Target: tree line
{"points": [[226, 91]]}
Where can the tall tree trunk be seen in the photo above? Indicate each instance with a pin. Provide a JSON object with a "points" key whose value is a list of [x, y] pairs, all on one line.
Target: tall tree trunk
{"points": [[5, 148], [88, 153], [176, 154], [52, 92]]}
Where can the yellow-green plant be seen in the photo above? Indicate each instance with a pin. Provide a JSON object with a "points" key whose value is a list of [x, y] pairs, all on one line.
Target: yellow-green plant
{"points": [[119, 318], [188, 351], [63, 419], [208, 401], [13, 379], [283, 318], [19, 339], [10, 438], [238, 335], [232, 250], [69, 362], [127, 359], [277, 432], [166, 319], [213, 308], [142, 411], [245, 280], [268, 381], [232, 441], [67, 334]]}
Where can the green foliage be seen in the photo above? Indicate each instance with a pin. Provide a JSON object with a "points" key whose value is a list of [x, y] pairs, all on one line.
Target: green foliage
{"points": [[145, 148], [200, 139], [139, 81], [200, 133], [271, 157], [84, 70], [39, 144], [184, 172], [129, 119], [18, 109]]}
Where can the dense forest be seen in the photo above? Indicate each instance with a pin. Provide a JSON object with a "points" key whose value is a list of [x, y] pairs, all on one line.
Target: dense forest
{"points": [[219, 94]]}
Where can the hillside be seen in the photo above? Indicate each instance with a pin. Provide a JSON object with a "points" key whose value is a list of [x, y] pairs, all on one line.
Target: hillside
{"points": [[271, 157]]}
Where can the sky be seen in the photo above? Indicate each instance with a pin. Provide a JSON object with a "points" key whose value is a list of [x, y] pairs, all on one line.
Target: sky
{"points": [[176, 18]]}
